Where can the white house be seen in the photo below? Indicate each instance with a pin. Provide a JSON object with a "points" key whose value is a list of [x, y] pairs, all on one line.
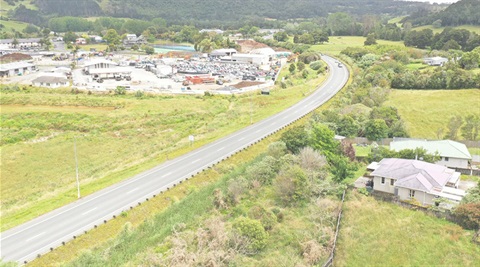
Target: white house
{"points": [[453, 154], [51, 81], [435, 61], [217, 31], [21, 43], [413, 179]]}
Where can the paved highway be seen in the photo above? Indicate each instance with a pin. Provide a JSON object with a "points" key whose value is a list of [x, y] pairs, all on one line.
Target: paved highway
{"points": [[36, 237]]}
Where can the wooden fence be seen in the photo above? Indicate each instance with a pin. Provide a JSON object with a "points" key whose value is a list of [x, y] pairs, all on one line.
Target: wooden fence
{"points": [[329, 261]]}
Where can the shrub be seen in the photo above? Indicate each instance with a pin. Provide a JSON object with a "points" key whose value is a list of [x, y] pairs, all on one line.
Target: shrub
{"points": [[277, 149], [253, 231], [236, 188], [263, 171], [120, 90], [316, 65], [468, 215], [292, 186], [266, 217]]}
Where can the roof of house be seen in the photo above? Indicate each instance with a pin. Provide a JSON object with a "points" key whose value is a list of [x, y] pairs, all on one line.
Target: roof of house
{"points": [[15, 65], [50, 79], [21, 40], [415, 174], [446, 148]]}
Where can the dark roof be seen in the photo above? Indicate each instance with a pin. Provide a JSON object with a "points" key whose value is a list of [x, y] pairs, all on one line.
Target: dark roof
{"points": [[50, 79], [24, 40]]}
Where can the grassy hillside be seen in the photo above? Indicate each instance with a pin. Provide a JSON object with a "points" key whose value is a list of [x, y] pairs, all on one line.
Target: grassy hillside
{"points": [[338, 43], [11, 24], [472, 28], [117, 137], [426, 111], [376, 233]]}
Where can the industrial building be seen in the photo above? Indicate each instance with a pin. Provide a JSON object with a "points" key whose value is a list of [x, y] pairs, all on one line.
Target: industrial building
{"points": [[16, 68]]}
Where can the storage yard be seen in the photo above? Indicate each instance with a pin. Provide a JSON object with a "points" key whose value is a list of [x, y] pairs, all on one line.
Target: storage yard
{"points": [[192, 74]]}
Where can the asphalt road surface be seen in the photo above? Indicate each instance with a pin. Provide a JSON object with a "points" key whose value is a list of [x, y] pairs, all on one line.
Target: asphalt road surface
{"points": [[39, 236]]}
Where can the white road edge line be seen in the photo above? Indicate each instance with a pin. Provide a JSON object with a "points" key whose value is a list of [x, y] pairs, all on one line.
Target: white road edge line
{"points": [[88, 211], [33, 237]]}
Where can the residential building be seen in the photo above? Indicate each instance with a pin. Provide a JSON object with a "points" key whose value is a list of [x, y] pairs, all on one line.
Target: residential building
{"points": [[81, 41], [217, 31], [50, 81], [132, 39], [453, 154], [413, 179], [24, 43], [435, 61]]}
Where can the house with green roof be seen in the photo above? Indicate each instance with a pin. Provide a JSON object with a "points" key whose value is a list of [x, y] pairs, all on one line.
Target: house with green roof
{"points": [[453, 154]]}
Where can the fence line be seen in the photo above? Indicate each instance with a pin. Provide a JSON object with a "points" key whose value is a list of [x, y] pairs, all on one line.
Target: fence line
{"points": [[387, 141], [329, 261]]}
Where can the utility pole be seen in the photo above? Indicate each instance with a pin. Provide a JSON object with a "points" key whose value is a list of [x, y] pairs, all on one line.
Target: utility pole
{"points": [[76, 164], [251, 108]]}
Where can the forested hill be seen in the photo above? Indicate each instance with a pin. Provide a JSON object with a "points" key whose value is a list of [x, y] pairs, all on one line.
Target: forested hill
{"points": [[220, 10], [460, 13], [82, 8], [464, 12]]}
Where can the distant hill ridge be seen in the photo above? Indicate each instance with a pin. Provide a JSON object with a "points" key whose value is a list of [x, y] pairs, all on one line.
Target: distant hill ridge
{"points": [[219, 10]]}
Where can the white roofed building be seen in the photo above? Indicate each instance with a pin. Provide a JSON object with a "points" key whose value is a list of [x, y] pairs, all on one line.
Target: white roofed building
{"points": [[100, 64], [50, 81], [223, 52], [16, 68], [413, 179]]}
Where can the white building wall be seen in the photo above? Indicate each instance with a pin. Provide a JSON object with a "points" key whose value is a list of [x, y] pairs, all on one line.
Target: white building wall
{"points": [[453, 163], [422, 197], [51, 85], [386, 187]]}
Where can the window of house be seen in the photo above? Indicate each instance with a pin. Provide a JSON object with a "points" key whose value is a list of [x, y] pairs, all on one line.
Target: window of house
{"points": [[411, 193], [446, 158], [383, 180], [391, 182]]}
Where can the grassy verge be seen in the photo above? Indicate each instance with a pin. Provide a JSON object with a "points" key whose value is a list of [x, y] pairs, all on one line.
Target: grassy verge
{"points": [[375, 233], [117, 137], [428, 111]]}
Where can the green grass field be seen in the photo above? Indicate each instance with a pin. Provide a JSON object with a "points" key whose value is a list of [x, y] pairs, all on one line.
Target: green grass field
{"points": [[427, 111], [377, 233], [472, 28], [97, 47], [117, 137], [337, 44], [15, 25]]}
